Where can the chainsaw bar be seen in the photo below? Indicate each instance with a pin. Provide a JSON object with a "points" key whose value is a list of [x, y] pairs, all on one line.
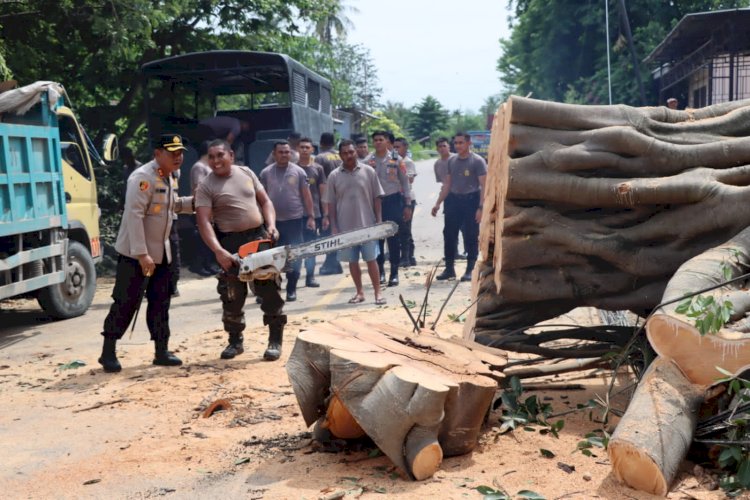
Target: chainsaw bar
{"points": [[341, 241]]}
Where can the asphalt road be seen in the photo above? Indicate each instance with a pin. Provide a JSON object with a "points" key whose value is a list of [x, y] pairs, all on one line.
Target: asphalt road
{"points": [[25, 329]]}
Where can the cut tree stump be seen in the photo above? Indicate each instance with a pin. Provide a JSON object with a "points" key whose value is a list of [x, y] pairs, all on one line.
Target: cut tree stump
{"points": [[599, 206], [654, 434], [418, 397], [675, 335]]}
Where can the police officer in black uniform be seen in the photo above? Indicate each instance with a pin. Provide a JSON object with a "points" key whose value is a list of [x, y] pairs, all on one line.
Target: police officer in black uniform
{"points": [[145, 253]]}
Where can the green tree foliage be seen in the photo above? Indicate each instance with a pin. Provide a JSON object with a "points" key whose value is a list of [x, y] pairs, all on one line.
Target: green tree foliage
{"points": [[96, 48], [399, 113], [429, 116], [382, 122], [569, 62], [334, 23]]}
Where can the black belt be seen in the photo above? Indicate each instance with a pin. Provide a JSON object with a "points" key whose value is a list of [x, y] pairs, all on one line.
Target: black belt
{"points": [[465, 195], [256, 231]]}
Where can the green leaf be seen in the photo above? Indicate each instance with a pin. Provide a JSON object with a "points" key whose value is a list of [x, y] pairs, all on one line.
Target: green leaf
{"points": [[486, 490], [683, 307], [71, 365], [531, 495], [491, 493], [734, 386], [743, 472], [375, 452], [242, 460], [515, 384], [546, 453]]}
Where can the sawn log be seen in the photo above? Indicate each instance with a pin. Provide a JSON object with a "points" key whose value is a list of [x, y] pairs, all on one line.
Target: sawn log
{"points": [[418, 397]]}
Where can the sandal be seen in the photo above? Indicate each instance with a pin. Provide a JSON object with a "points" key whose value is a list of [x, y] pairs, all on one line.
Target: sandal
{"points": [[380, 301], [356, 299]]}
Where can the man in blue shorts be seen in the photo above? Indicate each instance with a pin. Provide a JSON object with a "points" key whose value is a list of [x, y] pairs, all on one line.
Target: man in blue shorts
{"points": [[353, 198]]}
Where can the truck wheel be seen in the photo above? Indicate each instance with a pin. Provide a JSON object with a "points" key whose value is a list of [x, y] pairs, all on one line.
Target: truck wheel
{"points": [[73, 296]]}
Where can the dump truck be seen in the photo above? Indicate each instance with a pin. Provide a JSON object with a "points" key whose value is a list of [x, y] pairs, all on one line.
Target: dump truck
{"points": [[49, 215]]}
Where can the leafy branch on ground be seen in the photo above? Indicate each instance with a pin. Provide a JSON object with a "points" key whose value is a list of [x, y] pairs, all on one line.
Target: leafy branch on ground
{"points": [[527, 412], [708, 314], [596, 439]]}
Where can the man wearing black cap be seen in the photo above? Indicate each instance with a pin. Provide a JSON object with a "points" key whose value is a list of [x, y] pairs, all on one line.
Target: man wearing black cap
{"points": [[145, 253]]}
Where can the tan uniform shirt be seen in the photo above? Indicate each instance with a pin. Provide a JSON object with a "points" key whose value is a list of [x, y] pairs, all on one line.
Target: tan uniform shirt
{"points": [[353, 194], [198, 172], [232, 199], [465, 173], [316, 177], [441, 168], [391, 171], [284, 186], [329, 159], [150, 202], [411, 173]]}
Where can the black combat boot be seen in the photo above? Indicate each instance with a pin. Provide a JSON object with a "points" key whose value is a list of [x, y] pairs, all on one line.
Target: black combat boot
{"points": [[275, 336], [310, 281], [469, 269], [291, 285], [235, 346], [108, 359], [163, 356], [448, 273]]}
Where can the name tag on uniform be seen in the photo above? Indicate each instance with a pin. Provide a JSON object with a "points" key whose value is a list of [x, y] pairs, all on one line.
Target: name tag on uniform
{"points": [[311, 181], [292, 181], [466, 173]]}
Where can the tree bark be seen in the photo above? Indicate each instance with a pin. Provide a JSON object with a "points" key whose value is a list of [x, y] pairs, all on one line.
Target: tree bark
{"points": [[418, 397], [654, 434], [675, 336], [599, 205]]}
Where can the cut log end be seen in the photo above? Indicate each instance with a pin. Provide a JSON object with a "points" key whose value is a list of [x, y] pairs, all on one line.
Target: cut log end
{"points": [[340, 422], [698, 356], [423, 452], [636, 469], [655, 432], [418, 398]]}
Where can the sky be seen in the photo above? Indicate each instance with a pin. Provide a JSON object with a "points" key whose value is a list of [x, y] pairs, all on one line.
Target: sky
{"points": [[433, 47]]}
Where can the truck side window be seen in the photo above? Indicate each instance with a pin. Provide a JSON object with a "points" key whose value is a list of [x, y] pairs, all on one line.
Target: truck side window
{"points": [[71, 146], [72, 154]]}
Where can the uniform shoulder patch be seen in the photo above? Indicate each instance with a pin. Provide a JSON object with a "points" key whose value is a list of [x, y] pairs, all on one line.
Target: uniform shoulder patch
{"points": [[143, 185]]}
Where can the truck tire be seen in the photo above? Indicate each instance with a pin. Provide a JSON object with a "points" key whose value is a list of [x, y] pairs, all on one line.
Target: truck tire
{"points": [[73, 296]]}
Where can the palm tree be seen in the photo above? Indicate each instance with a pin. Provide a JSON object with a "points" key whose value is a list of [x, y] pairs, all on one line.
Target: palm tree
{"points": [[335, 21]]}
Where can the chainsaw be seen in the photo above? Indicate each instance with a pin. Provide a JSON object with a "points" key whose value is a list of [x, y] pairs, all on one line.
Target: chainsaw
{"points": [[260, 260]]}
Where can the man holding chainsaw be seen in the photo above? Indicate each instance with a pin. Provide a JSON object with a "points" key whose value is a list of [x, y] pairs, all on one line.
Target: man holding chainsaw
{"points": [[145, 253], [235, 200]]}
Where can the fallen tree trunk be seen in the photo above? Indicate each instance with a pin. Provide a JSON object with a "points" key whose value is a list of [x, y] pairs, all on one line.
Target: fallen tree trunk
{"points": [[599, 205], [418, 397], [676, 336], [653, 437]]}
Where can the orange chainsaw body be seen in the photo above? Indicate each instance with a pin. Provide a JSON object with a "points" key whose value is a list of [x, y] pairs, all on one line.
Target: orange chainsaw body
{"points": [[254, 247]]}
